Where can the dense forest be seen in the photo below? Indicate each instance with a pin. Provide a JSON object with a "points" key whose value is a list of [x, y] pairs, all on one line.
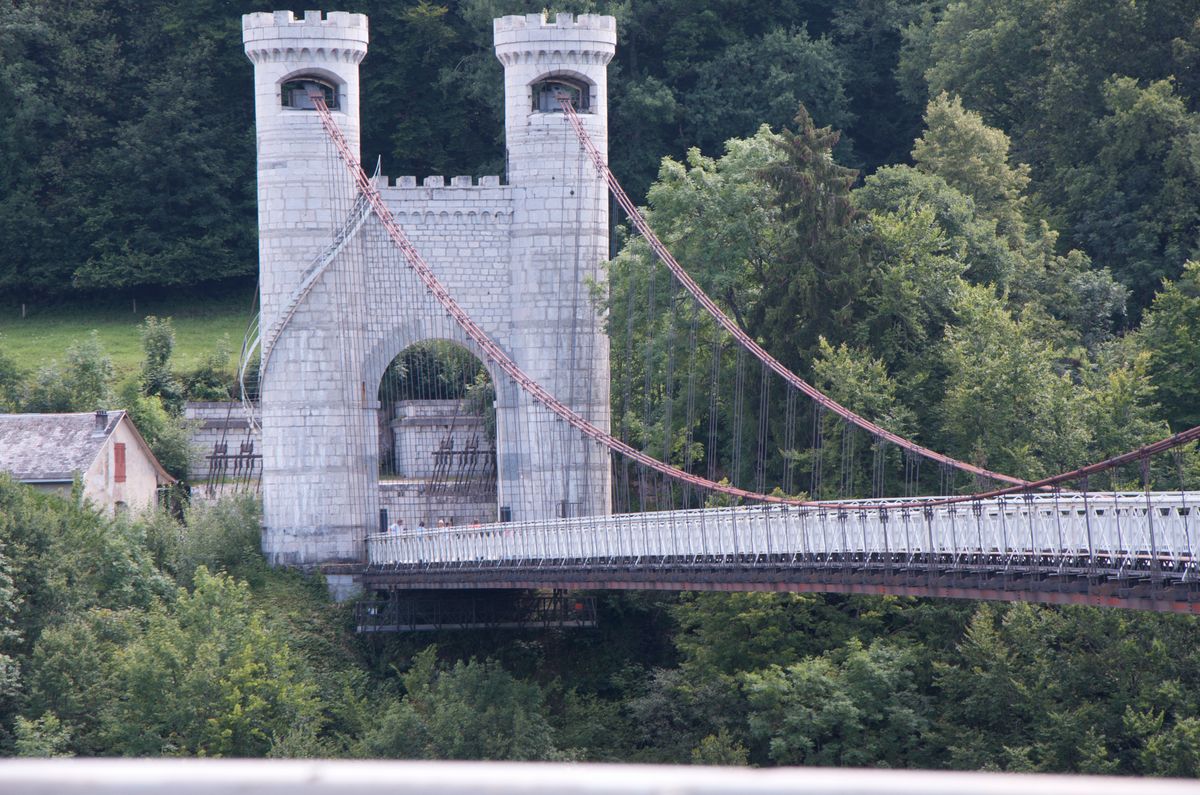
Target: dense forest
{"points": [[129, 145], [976, 221]]}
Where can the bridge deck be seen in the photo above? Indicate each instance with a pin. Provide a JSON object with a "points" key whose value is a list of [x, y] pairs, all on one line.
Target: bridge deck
{"points": [[1127, 549]]}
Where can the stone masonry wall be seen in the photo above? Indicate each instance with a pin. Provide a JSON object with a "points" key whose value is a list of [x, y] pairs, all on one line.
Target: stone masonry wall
{"points": [[213, 422]]}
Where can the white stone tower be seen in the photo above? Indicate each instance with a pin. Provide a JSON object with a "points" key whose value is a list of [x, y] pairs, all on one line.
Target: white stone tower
{"points": [[559, 241], [523, 259], [315, 508]]}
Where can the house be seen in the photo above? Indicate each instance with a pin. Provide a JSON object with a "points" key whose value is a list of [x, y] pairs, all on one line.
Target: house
{"points": [[103, 449]]}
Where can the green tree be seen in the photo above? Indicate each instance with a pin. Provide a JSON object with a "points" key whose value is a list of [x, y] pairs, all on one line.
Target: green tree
{"points": [[973, 158], [1137, 198], [1039, 688], [720, 749], [81, 383], [775, 73], [689, 206], [729, 633], [42, 737], [917, 286], [157, 380], [1083, 90], [211, 380], [969, 237], [869, 35], [987, 701], [222, 537], [861, 383], [1080, 303], [207, 676], [472, 710], [11, 639], [815, 284], [1166, 749], [440, 78], [12, 382], [984, 51], [856, 706], [116, 182], [1006, 403], [1121, 406], [672, 710], [1170, 335], [70, 677]]}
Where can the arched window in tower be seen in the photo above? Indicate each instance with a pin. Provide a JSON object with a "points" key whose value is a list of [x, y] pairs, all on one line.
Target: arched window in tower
{"points": [[296, 93], [546, 93]]}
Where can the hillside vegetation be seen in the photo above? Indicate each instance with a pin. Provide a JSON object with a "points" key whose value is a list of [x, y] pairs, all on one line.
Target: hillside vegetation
{"points": [[130, 149]]}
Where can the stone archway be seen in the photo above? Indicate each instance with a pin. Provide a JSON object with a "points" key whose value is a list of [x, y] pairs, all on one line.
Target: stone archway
{"points": [[436, 425]]}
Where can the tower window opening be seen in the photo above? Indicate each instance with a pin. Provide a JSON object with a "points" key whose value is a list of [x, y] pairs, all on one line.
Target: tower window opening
{"points": [[546, 93], [295, 94]]}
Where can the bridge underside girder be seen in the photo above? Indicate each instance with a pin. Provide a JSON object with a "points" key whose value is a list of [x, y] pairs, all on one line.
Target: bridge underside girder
{"points": [[1133, 589], [439, 611]]}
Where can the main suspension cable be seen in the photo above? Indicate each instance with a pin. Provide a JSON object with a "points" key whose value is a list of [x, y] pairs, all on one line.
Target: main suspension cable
{"points": [[729, 325]]}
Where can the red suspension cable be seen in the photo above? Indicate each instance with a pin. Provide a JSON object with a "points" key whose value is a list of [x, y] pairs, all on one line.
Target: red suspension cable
{"points": [[742, 337]]}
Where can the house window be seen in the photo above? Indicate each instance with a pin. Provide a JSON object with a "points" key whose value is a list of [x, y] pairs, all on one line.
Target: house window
{"points": [[295, 93], [118, 462], [546, 93]]}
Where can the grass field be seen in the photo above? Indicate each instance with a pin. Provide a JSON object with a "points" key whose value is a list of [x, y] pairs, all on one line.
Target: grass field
{"points": [[200, 318]]}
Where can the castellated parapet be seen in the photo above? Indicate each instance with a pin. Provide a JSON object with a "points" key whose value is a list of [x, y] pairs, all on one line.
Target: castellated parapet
{"points": [[521, 255], [588, 39], [280, 36]]}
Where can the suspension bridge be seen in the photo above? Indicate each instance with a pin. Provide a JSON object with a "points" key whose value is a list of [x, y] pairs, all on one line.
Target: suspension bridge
{"points": [[705, 463]]}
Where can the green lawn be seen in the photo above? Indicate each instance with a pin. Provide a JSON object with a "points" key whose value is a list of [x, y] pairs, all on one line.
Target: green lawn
{"points": [[200, 318]]}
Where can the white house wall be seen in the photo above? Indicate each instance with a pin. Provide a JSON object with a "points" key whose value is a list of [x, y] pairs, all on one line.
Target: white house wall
{"points": [[140, 489]]}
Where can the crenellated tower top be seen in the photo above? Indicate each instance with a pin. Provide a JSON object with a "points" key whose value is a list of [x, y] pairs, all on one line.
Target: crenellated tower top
{"points": [[338, 36], [568, 40]]}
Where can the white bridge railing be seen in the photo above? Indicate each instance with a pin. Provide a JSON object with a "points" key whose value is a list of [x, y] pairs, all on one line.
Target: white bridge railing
{"points": [[1107, 531]]}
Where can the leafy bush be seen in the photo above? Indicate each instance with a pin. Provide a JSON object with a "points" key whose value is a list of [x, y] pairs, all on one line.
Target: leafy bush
{"points": [[223, 537]]}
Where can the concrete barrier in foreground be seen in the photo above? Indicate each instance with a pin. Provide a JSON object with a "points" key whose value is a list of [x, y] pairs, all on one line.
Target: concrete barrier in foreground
{"points": [[311, 777]]}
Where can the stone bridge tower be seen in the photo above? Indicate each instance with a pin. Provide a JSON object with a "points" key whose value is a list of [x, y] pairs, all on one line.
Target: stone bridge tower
{"points": [[313, 506], [560, 224], [522, 258]]}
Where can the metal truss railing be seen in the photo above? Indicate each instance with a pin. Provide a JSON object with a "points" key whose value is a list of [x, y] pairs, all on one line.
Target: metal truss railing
{"points": [[1069, 533]]}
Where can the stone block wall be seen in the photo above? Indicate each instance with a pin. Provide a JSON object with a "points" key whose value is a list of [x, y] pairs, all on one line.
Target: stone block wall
{"points": [[419, 429], [407, 501], [213, 422]]}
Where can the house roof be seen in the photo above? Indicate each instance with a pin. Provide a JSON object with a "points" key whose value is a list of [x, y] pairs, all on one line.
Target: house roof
{"points": [[52, 448]]}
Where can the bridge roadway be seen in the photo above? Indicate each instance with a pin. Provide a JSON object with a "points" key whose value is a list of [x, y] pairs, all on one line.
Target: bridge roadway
{"points": [[1134, 550]]}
